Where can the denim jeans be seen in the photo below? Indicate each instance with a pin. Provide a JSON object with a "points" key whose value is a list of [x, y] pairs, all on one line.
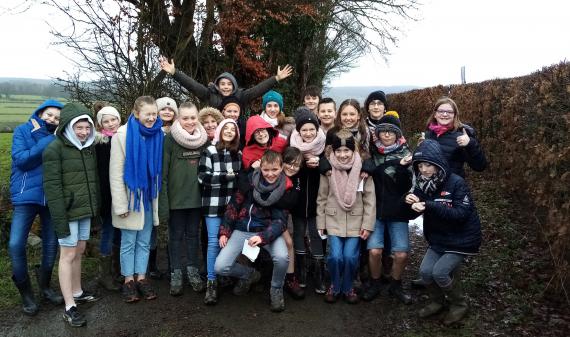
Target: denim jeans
{"points": [[226, 264], [22, 219], [342, 262], [213, 226], [398, 233], [300, 226], [110, 236], [135, 247], [184, 224], [438, 267]]}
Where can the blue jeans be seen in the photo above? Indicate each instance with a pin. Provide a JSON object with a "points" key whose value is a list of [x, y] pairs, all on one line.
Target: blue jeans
{"points": [[226, 264], [213, 226], [110, 236], [22, 219], [438, 267], [135, 247], [184, 224], [399, 236], [343, 262]]}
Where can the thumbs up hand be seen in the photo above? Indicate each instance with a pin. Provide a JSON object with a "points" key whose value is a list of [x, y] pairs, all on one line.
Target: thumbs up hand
{"points": [[464, 139]]}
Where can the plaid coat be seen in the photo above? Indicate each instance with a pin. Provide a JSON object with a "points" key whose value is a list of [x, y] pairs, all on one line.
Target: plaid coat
{"points": [[217, 186]]}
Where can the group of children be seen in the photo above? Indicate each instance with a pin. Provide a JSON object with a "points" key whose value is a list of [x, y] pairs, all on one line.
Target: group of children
{"points": [[317, 190]]}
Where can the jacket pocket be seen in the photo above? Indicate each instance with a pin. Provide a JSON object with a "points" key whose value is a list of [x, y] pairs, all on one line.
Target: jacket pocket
{"points": [[357, 211], [330, 211]]}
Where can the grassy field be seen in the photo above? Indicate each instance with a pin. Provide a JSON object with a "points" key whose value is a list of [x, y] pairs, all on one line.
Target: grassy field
{"points": [[17, 109]]}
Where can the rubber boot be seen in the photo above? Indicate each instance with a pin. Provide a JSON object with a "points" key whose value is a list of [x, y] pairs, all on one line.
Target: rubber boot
{"points": [[319, 276], [211, 297], [44, 281], [301, 269], [105, 278], [457, 305], [30, 306], [153, 270], [398, 292], [436, 298], [373, 290], [176, 282]]}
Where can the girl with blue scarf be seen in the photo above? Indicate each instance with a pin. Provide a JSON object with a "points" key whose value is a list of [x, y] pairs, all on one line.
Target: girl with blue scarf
{"points": [[135, 174]]}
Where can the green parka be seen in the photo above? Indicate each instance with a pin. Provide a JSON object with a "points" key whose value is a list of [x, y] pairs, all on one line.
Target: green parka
{"points": [[71, 183]]}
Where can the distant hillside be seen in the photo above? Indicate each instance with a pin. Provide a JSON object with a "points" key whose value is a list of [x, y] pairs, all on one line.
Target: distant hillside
{"points": [[360, 93], [30, 86]]}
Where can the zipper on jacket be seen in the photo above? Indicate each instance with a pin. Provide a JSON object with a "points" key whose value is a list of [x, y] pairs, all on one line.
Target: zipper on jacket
{"points": [[249, 221], [24, 182], [87, 179]]}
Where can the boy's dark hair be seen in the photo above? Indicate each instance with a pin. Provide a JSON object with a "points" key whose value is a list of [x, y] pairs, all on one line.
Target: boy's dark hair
{"points": [[326, 100], [82, 120], [312, 90], [292, 154], [271, 157]]}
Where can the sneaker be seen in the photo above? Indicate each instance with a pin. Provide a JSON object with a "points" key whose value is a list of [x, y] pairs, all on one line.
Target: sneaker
{"points": [[146, 290], [129, 291], [176, 283], [277, 300], [74, 318], [198, 285], [330, 296], [351, 297], [211, 297], [243, 285], [86, 297], [293, 288]]}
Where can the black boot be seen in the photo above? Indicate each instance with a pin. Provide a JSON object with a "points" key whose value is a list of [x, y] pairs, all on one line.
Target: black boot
{"points": [[373, 290], [30, 306], [46, 293], [319, 276], [301, 269], [398, 292], [153, 271]]}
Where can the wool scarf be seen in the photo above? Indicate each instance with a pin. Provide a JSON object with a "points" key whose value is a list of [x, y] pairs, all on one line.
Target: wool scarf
{"points": [[273, 121], [187, 140], [108, 133], [143, 162], [311, 149], [267, 194], [344, 183], [391, 148], [439, 129], [429, 185]]}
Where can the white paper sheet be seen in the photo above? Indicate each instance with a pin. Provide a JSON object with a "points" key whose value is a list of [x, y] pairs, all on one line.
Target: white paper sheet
{"points": [[249, 251]]}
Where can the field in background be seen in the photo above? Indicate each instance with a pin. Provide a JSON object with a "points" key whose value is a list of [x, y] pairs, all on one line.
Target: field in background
{"points": [[16, 109]]}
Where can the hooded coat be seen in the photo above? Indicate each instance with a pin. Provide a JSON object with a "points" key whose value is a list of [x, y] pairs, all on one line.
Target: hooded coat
{"points": [[253, 151], [211, 94], [70, 176], [451, 222], [28, 143]]}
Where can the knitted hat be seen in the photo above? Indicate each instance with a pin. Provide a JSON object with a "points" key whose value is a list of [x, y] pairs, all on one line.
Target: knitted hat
{"points": [[272, 96], [303, 116], [337, 142], [221, 126], [376, 95], [107, 110], [167, 102], [389, 123], [232, 99], [209, 111]]}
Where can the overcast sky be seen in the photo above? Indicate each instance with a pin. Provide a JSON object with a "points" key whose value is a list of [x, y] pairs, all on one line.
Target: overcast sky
{"points": [[492, 39]]}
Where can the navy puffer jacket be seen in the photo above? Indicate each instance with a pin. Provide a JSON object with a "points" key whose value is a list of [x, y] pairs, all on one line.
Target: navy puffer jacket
{"points": [[457, 156], [28, 143], [451, 222]]}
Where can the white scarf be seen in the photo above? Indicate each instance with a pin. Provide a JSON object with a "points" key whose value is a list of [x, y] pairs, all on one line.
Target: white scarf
{"points": [[273, 121]]}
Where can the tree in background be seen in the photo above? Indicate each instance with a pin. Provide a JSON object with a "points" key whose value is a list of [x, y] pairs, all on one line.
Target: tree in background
{"points": [[116, 44]]}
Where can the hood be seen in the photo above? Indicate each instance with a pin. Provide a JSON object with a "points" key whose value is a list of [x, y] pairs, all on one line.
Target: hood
{"points": [[256, 122], [430, 151], [68, 113], [229, 77], [69, 134], [221, 126], [46, 104]]}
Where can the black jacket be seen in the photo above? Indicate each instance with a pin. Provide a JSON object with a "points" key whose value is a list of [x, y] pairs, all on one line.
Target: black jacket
{"points": [[451, 222], [456, 155], [306, 206]]}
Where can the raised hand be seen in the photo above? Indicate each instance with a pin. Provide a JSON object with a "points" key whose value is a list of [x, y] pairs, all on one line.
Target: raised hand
{"points": [[166, 65], [406, 160], [284, 73], [463, 140]]}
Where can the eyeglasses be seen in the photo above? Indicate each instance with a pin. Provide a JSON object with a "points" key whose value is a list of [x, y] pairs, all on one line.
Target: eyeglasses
{"points": [[293, 166], [445, 112], [260, 131], [375, 103]]}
